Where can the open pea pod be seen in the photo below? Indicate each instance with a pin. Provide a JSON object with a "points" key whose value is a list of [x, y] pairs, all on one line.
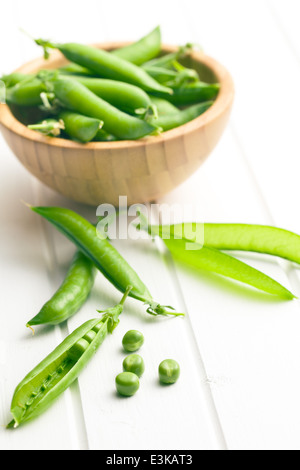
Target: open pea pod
{"points": [[51, 377]]}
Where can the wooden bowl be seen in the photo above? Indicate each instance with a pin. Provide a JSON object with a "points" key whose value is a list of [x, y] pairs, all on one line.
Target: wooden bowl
{"points": [[142, 170]]}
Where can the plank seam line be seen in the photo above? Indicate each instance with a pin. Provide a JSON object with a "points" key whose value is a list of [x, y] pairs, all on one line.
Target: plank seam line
{"points": [[215, 421]]}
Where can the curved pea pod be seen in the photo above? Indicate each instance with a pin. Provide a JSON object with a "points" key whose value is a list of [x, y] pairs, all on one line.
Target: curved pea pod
{"points": [[52, 376], [167, 60], [143, 50], [103, 254], [26, 93], [15, 78], [193, 93], [171, 121], [106, 65], [210, 259], [79, 127], [163, 107], [74, 96], [264, 239], [75, 69], [71, 295], [129, 98]]}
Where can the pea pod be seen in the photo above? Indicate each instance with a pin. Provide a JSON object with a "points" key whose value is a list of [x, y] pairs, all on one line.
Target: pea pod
{"points": [[26, 93], [75, 69], [105, 257], [129, 98], [163, 107], [171, 121], [210, 259], [52, 376], [106, 65], [238, 237], [142, 50], [192, 93], [15, 78], [71, 295], [76, 97], [167, 60]]}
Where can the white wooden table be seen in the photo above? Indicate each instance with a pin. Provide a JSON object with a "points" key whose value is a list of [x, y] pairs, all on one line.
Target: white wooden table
{"points": [[238, 349]]}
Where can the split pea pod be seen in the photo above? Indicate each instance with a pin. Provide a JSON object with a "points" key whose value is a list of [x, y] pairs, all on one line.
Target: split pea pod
{"points": [[106, 65], [173, 120], [74, 96], [103, 254], [71, 295], [143, 50], [52, 376], [129, 98]]}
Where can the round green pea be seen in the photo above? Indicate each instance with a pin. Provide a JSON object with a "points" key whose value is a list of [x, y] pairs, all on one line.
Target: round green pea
{"points": [[135, 364], [169, 371], [127, 384], [132, 340]]}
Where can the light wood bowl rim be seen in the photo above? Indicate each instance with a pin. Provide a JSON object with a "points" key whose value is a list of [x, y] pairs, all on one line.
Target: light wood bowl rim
{"points": [[221, 104]]}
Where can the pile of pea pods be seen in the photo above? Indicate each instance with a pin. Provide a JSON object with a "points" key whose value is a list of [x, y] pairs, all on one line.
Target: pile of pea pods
{"points": [[123, 94]]}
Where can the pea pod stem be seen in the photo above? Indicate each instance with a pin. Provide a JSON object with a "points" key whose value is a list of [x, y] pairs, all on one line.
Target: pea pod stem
{"points": [[53, 375]]}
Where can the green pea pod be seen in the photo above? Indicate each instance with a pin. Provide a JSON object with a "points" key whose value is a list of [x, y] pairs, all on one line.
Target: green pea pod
{"points": [[171, 121], [75, 69], [26, 93], [192, 93], [142, 50], [51, 377], [129, 98], [106, 65], [15, 78], [240, 237], [263, 239], [210, 259], [79, 127], [103, 136], [76, 97], [105, 257], [167, 60], [71, 295], [176, 77], [163, 107]]}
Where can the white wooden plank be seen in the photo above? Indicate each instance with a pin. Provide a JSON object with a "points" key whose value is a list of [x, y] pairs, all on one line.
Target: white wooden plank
{"points": [[25, 287]]}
